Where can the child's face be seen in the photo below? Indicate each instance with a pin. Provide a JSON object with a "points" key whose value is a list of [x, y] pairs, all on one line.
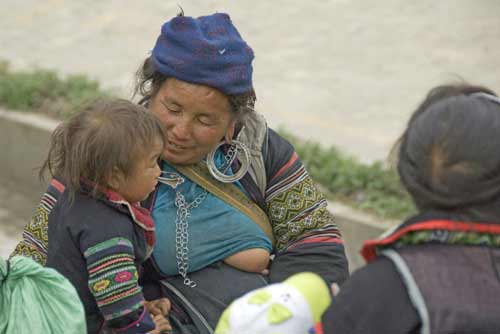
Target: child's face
{"points": [[142, 181]]}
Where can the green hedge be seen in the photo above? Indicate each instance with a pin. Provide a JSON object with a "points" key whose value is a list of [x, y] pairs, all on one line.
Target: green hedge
{"points": [[44, 91], [368, 187], [371, 188]]}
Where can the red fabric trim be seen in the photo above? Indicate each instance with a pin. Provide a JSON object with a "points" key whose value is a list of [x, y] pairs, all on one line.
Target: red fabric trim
{"points": [[112, 195], [369, 247], [140, 215], [318, 239], [58, 185], [318, 328], [288, 164]]}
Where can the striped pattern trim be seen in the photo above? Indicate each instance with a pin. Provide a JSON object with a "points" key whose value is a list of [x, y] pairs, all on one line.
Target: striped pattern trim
{"points": [[113, 277], [35, 235], [110, 261], [370, 247], [283, 169], [47, 202], [107, 244], [119, 295], [298, 176], [31, 238], [328, 234]]}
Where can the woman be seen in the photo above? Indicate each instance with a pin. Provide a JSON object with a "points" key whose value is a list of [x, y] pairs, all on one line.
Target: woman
{"points": [[438, 272], [198, 81]]}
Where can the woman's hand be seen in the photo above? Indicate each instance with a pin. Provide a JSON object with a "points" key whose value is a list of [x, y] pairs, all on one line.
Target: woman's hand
{"points": [[158, 307]]}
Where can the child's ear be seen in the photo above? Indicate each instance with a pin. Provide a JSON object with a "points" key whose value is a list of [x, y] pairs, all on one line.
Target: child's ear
{"points": [[116, 179]]}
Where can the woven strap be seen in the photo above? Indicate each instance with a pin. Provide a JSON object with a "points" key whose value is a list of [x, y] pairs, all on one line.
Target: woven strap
{"points": [[229, 193]]}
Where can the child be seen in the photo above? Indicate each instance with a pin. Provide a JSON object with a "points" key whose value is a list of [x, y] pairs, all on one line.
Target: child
{"points": [[103, 162], [292, 307]]}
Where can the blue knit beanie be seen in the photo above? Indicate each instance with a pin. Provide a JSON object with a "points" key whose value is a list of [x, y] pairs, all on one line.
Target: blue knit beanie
{"points": [[207, 50]]}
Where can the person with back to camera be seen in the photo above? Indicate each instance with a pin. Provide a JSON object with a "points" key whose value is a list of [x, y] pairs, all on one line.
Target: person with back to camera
{"points": [[439, 271], [232, 190], [104, 161]]}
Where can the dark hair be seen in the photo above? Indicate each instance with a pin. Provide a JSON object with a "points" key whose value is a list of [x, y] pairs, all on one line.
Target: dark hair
{"points": [[448, 155], [106, 136], [149, 82]]}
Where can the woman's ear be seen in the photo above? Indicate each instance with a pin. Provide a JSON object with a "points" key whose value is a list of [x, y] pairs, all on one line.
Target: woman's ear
{"points": [[230, 131]]}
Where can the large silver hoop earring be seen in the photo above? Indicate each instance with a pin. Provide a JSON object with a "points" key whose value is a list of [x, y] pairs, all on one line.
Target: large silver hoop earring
{"points": [[237, 150]]}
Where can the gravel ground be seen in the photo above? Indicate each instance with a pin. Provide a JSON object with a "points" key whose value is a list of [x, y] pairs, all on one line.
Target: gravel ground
{"points": [[14, 212], [344, 72]]}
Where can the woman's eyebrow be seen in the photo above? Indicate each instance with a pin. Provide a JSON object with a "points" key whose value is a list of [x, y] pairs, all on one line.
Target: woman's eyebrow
{"points": [[170, 100]]}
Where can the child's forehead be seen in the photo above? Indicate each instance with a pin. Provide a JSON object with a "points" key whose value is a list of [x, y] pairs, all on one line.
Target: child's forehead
{"points": [[150, 150], [156, 146]]}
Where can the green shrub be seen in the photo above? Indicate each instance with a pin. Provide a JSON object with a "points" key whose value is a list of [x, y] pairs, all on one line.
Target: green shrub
{"points": [[372, 188], [367, 187], [44, 91]]}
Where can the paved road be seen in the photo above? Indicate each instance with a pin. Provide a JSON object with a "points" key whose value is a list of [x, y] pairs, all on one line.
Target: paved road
{"points": [[14, 212], [336, 71]]}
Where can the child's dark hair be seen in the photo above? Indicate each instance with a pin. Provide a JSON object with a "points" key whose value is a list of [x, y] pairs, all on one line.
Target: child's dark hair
{"points": [[448, 155], [106, 136]]}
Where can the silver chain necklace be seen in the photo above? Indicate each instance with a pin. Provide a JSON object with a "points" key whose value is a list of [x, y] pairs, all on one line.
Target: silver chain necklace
{"points": [[182, 233]]}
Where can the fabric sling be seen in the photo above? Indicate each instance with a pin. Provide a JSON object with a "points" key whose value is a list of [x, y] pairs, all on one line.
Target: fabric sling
{"points": [[229, 193]]}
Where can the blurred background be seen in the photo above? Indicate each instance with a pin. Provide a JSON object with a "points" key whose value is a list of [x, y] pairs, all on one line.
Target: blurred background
{"points": [[340, 72]]}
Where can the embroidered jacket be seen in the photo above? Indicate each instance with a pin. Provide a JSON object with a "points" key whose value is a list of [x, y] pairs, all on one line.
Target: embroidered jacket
{"points": [[438, 274], [99, 245]]}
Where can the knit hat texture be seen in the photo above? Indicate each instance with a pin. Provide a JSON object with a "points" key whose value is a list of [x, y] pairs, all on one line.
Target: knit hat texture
{"points": [[207, 50]]}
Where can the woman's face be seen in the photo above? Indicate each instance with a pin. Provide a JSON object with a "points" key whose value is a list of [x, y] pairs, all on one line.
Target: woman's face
{"points": [[196, 119]]}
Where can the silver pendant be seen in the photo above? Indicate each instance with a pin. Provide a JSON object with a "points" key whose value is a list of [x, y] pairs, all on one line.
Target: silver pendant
{"points": [[171, 179]]}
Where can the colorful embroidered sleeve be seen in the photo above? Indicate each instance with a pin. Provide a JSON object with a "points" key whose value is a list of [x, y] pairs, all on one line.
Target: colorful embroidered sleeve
{"points": [[113, 280], [297, 210], [307, 238], [35, 237]]}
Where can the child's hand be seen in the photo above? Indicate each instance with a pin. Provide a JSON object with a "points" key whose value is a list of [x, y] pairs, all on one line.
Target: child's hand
{"points": [[265, 272], [162, 325], [158, 306]]}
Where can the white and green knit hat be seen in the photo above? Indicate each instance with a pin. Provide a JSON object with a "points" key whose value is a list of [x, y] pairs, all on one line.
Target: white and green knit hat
{"points": [[292, 307]]}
